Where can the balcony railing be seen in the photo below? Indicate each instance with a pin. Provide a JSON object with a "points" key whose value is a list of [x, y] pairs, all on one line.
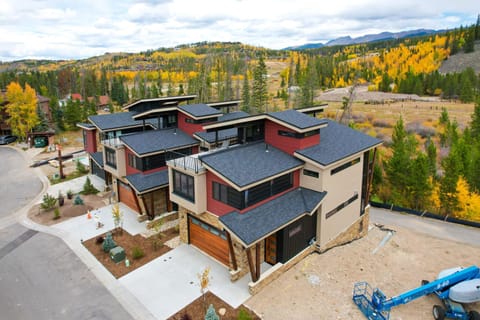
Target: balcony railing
{"points": [[179, 160], [112, 142]]}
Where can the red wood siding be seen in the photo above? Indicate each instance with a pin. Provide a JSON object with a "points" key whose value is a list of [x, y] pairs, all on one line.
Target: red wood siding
{"points": [[219, 208], [189, 128], [287, 144], [91, 143]]}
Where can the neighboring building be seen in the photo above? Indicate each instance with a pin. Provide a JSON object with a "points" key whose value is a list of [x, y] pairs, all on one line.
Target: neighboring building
{"points": [[101, 102], [129, 150], [294, 184]]}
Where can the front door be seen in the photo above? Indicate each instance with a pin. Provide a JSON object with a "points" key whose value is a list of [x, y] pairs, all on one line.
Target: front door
{"points": [[271, 249]]}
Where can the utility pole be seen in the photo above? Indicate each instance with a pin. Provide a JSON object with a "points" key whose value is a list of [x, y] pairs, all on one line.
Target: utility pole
{"points": [[60, 164]]}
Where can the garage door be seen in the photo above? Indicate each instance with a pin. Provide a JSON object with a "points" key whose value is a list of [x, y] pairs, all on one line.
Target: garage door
{"points": [[209, 239], [127, 196]]}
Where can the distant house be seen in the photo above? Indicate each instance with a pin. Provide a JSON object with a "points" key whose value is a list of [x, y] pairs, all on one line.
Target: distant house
{"points": [[101, 102], [76, 96]]}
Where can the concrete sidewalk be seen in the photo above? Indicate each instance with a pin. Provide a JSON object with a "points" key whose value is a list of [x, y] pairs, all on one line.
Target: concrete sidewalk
{"points": [[75, 185]]}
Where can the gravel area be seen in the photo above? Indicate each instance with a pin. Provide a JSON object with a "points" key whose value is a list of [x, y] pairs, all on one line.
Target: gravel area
{"points": [[320, 286]]}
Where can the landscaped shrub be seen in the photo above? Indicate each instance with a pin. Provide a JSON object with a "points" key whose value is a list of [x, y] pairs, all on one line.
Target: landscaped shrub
{"points": [[88, 187], [56, 214], [243, 315], [77, 201], [137, 253], [185, 316], [211, 314], [99, 240], [108, 243], [81, 169], [48, 202]]}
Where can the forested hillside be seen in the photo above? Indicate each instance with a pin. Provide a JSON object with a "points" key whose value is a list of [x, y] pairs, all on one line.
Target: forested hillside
{"points": [[444, 169]]}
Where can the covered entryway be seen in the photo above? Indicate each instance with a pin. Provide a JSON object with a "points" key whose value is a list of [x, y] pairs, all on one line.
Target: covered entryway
{"points": [[127, 195], [208, 239]]}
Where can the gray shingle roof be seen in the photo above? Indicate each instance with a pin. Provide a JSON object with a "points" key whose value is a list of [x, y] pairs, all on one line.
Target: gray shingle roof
{"points": [[98, 158], [115, 121], [144, 182], [244, 165], [338, 142], [200, 110], [157, 140], [233, 115], [222, 135], [259, 222], [297, 119]]}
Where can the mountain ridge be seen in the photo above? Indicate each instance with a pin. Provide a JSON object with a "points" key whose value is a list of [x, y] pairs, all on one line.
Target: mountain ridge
{"points": [[382, 36]]}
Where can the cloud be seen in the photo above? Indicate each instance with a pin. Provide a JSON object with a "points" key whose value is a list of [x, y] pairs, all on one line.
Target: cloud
{"points": [[79, 29]]}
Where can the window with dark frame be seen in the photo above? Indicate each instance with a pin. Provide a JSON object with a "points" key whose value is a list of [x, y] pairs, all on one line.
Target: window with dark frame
{"points": [[110, 157], [183, 185], [297, 135], [310, 173], [243, 199], [344, 166], [341, 206]]}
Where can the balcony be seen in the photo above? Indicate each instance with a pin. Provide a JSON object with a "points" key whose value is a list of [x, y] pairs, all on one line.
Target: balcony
{"points": [[190, 163], [112, 142]]}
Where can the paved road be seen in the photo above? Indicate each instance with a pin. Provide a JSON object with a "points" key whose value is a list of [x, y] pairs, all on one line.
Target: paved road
{"points": [[431, 227], [19, 183], [40, 277]]}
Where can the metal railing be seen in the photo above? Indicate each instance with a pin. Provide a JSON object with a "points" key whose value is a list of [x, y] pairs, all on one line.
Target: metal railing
{"points": [[189, 162], [112, 142]]}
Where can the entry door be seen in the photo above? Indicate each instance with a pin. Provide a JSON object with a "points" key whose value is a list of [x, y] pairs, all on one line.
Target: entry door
{"points": [[271, 249]]}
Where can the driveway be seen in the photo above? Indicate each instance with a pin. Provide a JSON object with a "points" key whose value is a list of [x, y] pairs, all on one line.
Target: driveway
{"points": [[170, 282], [19, 184]]}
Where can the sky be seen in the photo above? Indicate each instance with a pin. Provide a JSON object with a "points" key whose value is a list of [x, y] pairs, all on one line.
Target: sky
{"points": [[66, 29]]}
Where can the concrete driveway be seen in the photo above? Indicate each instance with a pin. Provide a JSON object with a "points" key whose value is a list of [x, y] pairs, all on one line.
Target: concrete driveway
{"points": [[170, 282]]}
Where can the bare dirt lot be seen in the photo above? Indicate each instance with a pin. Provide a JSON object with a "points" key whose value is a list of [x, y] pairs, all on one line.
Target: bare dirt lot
{"points": [[320, 286]]}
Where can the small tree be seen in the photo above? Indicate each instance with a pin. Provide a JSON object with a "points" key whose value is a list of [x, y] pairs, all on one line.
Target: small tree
{"points": [[117, 216], [211, 314], [108, 244], [48, 202], [77, 201], [204, 278], [81, 169], [88, 187]]}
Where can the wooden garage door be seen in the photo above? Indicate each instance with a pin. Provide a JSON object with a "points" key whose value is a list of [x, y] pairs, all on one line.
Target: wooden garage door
{"points": [[127, 196], [209, 239]]}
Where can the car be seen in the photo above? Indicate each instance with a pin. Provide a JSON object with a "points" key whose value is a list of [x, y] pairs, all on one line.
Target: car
{"points": [[7, 139]]}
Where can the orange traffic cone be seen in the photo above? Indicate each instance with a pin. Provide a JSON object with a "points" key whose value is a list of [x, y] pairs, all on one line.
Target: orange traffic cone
{"points": [[89, 215]]}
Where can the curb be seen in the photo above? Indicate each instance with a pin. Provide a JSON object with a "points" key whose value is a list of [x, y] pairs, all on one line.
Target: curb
{"points": [[131, 304]]}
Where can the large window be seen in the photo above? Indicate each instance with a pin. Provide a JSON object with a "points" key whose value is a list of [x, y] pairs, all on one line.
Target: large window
{"points": [[297, 135], [183, 185], [157, 160], [345, 166], [110, 157], [249, 197]]}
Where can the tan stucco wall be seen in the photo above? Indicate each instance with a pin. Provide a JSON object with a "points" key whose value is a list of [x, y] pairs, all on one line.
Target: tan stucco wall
{"points": [[340, 187], [121, 169], [200, 181], [311, 182]]}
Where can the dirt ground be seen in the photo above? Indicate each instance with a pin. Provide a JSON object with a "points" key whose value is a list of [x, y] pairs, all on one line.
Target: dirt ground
{"points": [[196, 309], [128, 242], [321, 286], [68, 210]]}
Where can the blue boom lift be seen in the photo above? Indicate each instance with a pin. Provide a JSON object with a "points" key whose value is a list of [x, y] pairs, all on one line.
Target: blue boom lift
{"points": [[466, 288]]}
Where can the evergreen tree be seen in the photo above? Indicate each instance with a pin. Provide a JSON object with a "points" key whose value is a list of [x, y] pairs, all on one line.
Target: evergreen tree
{"points": [[42, 121], [477, 28], [420, 188], [259, 94], [246, 94], [448, 184], [466, 93], [432, 157], [469, 45], [475, 123]]}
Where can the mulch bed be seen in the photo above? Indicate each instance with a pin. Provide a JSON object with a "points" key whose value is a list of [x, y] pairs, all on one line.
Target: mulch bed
{"points": [[196, 310], [128, 242]]}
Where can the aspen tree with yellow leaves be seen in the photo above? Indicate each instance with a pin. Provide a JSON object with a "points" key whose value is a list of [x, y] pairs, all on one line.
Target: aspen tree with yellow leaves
{"points": [[21, 108]]}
